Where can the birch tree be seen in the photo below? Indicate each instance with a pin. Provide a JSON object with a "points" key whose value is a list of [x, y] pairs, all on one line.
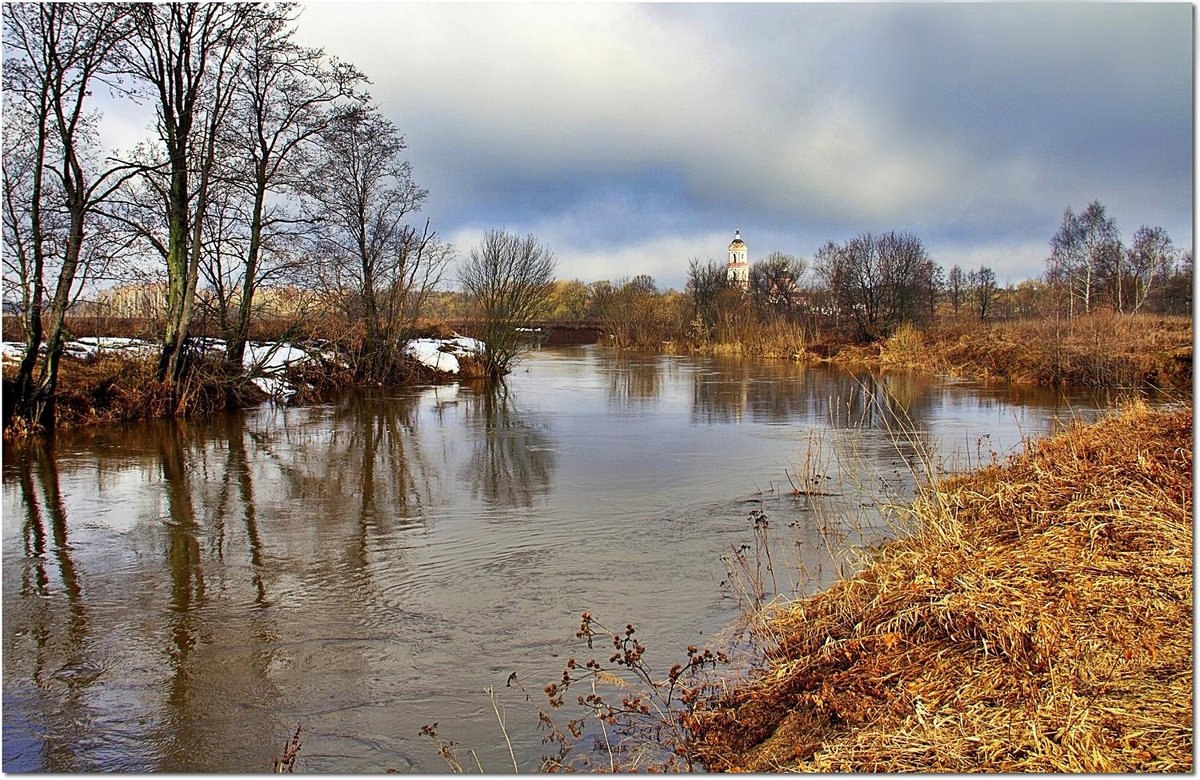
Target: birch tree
{"points": [[1148, 261]]}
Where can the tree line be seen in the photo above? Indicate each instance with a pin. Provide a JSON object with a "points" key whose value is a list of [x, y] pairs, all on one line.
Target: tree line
{"points": [[865, 287], [268, 166]]}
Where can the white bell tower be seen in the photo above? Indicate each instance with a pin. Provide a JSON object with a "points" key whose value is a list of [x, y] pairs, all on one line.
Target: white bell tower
{"points": [[737, 270]]}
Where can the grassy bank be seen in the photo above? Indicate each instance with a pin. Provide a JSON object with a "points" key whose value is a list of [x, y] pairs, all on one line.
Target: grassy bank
{"points": [[1038, 618], [122, 389], [1101, 350]]}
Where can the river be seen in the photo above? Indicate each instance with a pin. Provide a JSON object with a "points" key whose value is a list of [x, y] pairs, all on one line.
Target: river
{"points": [[179, 596]]}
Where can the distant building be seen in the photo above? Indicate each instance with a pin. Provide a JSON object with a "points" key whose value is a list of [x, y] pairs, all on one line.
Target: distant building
{"points": [[737, 270]]}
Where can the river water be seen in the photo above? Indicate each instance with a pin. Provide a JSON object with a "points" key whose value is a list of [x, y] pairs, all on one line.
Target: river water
{"points": [[179, 596]]}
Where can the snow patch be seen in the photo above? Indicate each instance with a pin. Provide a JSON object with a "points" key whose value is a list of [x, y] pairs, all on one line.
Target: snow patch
{"points": [[443, 354], [272, 357]]}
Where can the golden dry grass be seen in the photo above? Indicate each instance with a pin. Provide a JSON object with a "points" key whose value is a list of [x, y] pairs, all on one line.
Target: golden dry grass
{"points": [[1038, 619], [1100, 350]]}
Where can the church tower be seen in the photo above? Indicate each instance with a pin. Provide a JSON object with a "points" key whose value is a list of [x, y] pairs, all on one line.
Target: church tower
{"points": [[737, 270]]}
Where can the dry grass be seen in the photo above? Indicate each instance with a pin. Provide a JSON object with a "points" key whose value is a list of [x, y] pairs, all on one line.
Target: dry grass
{"points": [[1038, 619], [120, 389], [774, 339], [1101, 350]]}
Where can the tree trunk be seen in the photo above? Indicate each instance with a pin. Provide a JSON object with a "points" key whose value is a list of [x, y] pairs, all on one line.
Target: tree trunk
{"points": [[235, 346]]}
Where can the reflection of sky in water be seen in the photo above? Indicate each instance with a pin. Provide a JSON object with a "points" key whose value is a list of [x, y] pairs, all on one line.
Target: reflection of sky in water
{"points": [[177, 596]]}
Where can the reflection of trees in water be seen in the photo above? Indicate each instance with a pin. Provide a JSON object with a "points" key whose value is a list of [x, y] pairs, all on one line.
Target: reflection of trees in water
{"points": [[779, 392], [891, 409], [60, 653], [237, 474], [183, 546], [369, 452], [205, 472], [880, 402], [185, 567], [632, 379], [238, 491], [762, 392], [513, 462], [892, 412]]}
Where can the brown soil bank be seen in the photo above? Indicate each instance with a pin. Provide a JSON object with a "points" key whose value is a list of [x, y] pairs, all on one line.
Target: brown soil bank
{"points": [[1038, 619]]}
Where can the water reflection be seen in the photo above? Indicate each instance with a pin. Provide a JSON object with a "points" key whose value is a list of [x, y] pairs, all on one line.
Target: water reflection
{"points": [[237, 470], [635, 379], [58, 631], [513, 460]]}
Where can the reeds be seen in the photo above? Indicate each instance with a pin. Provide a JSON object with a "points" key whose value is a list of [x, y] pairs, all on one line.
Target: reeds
{"points": [[1099, 350], [1038, 617]]}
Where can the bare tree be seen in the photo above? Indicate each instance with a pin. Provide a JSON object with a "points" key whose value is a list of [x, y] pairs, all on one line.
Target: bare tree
{"points": [[775, 283], [284, 97], [875, 280], [1148, 262], [508, 280], [1175, 295], [376, 266], [983, 288], [931, 280], [704, 286], [956, 287], [184, 58], [53, 185]]}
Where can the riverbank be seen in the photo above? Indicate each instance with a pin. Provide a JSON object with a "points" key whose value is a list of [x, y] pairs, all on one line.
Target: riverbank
{"points": [[1098, 351], [1037, 619], [114, 379]]}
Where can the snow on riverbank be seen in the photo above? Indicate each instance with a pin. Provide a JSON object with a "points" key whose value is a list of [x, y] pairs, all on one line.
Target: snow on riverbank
{"points": [[443, 354], [266, 363]]}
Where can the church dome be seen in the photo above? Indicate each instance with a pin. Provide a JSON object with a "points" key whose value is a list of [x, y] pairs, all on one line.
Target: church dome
{"points": [[737, 242]]}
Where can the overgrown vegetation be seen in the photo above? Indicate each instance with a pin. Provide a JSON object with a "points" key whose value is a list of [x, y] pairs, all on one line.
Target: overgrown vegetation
{"points": [[1103, 350], [121, 389], [1037, 618]]}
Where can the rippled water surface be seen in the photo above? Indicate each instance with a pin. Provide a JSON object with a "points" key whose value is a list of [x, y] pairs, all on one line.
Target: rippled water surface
{"points": [[178, 596]]}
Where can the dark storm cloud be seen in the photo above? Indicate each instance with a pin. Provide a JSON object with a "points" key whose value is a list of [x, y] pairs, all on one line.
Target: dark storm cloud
{"points": [[641, 134]]}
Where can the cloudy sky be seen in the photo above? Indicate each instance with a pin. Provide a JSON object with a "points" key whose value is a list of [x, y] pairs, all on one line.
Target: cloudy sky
{"points": [[631, 138]]}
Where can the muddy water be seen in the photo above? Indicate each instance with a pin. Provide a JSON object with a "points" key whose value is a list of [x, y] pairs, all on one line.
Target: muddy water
{"points": [[179, 596]]}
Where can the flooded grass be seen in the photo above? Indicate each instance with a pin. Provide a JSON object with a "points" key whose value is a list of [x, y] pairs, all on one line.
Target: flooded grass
{"points": [[1038, 618]]}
